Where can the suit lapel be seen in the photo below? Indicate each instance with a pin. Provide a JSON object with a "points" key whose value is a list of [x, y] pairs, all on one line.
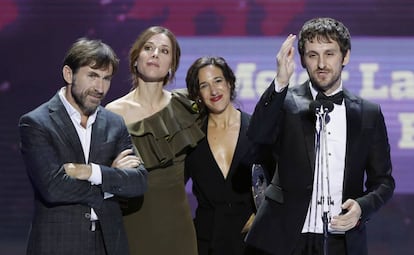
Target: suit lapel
{"points": [[353, 127], [301, 98], [242, 144], [98, 129], [63, 122]]}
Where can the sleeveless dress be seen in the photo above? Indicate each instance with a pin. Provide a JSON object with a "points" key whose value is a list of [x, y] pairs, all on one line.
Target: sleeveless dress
{"points": [[163, 224]]}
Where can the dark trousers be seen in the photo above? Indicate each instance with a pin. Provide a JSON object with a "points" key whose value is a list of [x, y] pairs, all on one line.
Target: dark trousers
{"points": [[312, 244]]}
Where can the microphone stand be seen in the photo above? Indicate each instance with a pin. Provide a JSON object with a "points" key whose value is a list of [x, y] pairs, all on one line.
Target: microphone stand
{"points": [[321, 148]]}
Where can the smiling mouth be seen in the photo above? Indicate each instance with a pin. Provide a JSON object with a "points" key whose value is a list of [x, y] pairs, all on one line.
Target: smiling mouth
{"points": [[215, 99], [96, 98]]}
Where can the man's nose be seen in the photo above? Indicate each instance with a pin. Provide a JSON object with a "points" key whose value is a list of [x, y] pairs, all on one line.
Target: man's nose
{"points": [[321, 63], [99, 85]]}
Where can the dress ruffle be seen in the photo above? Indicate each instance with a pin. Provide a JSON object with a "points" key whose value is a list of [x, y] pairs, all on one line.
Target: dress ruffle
{"points": [[167, 134]]}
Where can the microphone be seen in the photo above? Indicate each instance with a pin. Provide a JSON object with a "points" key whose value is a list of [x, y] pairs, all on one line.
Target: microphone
{"points": [[321, 106]]}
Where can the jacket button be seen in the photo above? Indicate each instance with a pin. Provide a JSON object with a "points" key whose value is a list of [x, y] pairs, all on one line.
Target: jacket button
{"points": [[87, 215]]}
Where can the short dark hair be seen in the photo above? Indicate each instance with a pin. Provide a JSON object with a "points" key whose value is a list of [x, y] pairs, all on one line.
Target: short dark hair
{"points": [[324, 30], [93, 53]]}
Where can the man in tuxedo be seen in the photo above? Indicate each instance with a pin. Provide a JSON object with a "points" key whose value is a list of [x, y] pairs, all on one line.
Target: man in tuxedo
{"points": [[80, 160], [317, 202]]}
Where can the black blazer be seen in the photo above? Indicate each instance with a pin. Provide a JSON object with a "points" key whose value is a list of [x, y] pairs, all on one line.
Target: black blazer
{"points": [[284, 120], [224, 204], [61, 221]]}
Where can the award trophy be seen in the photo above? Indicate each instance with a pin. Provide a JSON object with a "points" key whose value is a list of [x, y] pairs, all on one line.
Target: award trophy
{"points": [[259, 184]]}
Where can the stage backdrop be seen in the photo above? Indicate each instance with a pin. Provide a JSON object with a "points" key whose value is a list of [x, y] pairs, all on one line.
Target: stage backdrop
{"points": [[34, 35]]}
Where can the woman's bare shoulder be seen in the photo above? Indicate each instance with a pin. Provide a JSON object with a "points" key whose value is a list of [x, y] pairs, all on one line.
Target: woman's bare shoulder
{"points": [[120, 105]]}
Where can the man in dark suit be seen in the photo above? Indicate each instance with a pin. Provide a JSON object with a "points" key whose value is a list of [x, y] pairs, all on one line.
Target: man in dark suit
{"points": [[316, 202], [80, 161]]}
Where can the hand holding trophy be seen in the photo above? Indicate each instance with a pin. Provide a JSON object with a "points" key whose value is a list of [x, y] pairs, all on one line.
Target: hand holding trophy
{"points": [[259, 184]]}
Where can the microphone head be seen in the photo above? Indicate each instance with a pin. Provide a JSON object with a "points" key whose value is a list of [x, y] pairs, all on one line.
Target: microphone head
{"points": [[327, 105], [314, 106]]}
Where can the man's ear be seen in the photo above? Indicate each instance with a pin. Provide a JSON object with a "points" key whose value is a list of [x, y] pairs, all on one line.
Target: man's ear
{"points": [[67, 74], [346, 58]]}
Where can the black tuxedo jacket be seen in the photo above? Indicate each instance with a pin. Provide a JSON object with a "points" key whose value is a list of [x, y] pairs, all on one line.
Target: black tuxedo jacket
{"points": [[62, 205], [284, 120]]}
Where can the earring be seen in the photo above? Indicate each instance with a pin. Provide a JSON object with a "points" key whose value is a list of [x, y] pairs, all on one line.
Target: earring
{"points": [[194, 107], [136, 68]]}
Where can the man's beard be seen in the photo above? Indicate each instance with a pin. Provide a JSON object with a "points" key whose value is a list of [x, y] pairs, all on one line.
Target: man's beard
{"points": [[324, 85], [80, 100]]}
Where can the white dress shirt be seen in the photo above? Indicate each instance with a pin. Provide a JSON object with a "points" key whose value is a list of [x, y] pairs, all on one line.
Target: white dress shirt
{"points": [[331, 183], [84, 135]]}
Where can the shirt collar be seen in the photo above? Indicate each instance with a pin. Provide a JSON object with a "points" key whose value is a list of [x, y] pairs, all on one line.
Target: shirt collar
{"points": [[73, 113]]}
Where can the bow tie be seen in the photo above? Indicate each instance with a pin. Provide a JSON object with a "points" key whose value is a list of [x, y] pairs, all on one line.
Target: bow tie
{"points": [[336, 99]]}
